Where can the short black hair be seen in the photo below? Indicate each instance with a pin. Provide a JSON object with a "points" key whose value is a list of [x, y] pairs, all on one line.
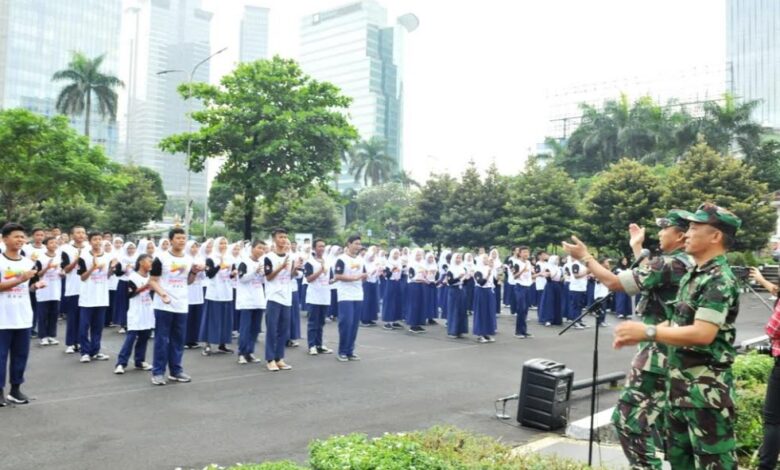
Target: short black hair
{"points": [[541, 252], [318, 240], [37, 229], [73, 229], [11, 227], [353, 238], [175, 231], [140, 258], [277, 231], [523, 247], [258, 242], [107, 232], [92, 235], [48, 239]]}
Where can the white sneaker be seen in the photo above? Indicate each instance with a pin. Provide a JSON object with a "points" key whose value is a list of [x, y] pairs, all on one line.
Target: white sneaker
{"points": [[53, 342], [119, 369], [44, 342], [85, 358], [144, 366], [313, 351], [101, 357], [70, 350], [241, 359]]}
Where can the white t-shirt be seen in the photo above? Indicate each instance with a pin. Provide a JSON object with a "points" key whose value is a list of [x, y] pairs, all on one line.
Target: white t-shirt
{"points": [[349, 291], [72, 279], [581, 284], [140, 314], [33, 252], [513, 266], [279, 289], [525, 277], [600, 290], [15, 308], [220, 288], [93, 292], [541, 281], [52, 278], [113, 279], [173, 272], [318, 292], [249, 292], [195, 290]]}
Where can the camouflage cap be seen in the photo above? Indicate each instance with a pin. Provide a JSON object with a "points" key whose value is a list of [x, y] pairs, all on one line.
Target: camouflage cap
{"points": [[674, 218], [720, 218]]}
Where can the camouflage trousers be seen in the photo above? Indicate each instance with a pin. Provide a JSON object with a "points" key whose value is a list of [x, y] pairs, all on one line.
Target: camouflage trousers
{"points": [[637, 417], [701, 439]]}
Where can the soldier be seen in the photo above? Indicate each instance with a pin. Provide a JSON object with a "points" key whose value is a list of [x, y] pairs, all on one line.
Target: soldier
{"points": [[639, 411], [700, 419]]}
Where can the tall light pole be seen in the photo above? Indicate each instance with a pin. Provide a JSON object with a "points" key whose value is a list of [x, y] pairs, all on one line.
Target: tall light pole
{"points": [[188, 202]]}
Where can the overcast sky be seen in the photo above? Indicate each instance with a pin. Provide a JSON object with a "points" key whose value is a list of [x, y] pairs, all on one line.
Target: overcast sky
{"points": [[478, 72]]}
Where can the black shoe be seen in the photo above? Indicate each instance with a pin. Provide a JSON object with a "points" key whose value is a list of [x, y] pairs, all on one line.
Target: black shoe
{"points": [[417, 329], [3, 403], [33, 334], [225, 349], [431, 321], [397, 325], [387, 326], [18, 398]]}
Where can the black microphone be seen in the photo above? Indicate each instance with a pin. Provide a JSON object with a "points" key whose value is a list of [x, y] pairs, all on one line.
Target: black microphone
{"points": [[642, 256]]}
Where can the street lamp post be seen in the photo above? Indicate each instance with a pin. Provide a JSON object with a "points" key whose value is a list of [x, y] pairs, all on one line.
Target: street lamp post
{"points": [[188, 202]]}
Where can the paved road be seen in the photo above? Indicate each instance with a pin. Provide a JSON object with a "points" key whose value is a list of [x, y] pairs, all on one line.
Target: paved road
{"points": [[84, 417]]}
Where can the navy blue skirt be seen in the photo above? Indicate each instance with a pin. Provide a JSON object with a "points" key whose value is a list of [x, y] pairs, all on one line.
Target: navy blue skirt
{"points": [[216, 326], [457, 320], [497, 291], [121, 303], [468, 288], [551, 303], [370, 310], [484, 311], [392, 308], [416, 308], [429, 300], [194, 318], [623, 304], [566, 303]]}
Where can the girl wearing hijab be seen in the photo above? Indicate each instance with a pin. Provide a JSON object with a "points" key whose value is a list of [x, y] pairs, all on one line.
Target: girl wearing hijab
{"points": [[162, 246], [125, 266], [333, 312], [441, 286], [392, 304], [550, 307], [457, 320], [195, 295], [250, 300], [429, 291], [565, 267], [623, 306], [151, 249], [235, 250], [404, 282], [498, 276], [140, 316], [216, 324], [484, 301], [370, 312], [416, 293], [108, 321], [469, 284]]}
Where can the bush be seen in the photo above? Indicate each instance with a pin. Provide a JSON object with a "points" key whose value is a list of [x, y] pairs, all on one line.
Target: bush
{"points": [[357, 452], [751, 373], [752, 368], [281, 465]]}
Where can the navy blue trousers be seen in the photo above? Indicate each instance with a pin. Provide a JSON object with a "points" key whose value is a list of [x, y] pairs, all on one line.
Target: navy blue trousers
{"points": [[349, 317], [520, 301], [139, 339], [277, 330], [317, 314], [248, 329], [14, 344], [70, 306], [47, 318], [169, 329], [91, 329]]}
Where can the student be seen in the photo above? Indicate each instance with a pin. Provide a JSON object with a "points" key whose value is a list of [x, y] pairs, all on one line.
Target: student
{"points": [[48, 305], [113, 253], [217, 324], [498, 272], [333, 311], [350, 273], [600, 291], [370, 308], [623, 305], [279, 272], [250, 301], [172, 272], [392, 303], [94, 269], [429, 288], [71, 254], [551, 303], [15, 313], [196, 292], [540, 274], [415, 318], [34, 251], [140, 316], [317, 298], [125, 266], [468, 283], [578, 291], [484, 301], [295, 308], [523, 290], [457, 320]]}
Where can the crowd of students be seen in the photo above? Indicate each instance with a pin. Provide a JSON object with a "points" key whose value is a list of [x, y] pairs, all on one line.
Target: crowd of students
{"points": [[188, 295]]}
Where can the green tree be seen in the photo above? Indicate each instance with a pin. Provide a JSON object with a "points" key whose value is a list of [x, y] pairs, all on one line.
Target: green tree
{"points": [[44, 158], [220, 195], [627, 192], [731, 123], [379, 208], [317, 214], [541, 206], [67, 212], [133, 204], [422, 220], [404, 178], [155, 180], [276, 128], [369, 160], [766, 161], [704, 175], [85, 79]]}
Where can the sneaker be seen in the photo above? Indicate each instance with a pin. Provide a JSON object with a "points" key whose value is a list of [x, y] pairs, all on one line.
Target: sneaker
{"points": [[241, 359], [44, 342], [417, 329], [272, 366], [397, 326], [18, 398], [482, 340], [122, 331], [3, 402], [85, 358], [353, 357], [529, 335], [387, 326], [225, 349], [604, 324], [547, 324], [101, 357], [292, 344], [53, 342], [206, 351], [324, 350], [452, 336], [33, 334], [342, 358], [367, 325], [520, 336], [283, 365], [252, 358], [180, 377], [70, 350], [579, 326], [158, 380], [235, 334], [313, 351], [584, 325], [431, 321], [119, 370], [490, 339], [144, 366]]}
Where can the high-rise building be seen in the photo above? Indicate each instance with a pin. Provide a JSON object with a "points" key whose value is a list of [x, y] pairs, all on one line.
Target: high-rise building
{"points": [[254, 34], [354, 48], [38, 37], [753, 55], [162, 41]]}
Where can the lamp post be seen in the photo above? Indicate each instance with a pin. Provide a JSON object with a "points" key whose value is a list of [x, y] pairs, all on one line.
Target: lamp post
{"points": [[188, 202]]}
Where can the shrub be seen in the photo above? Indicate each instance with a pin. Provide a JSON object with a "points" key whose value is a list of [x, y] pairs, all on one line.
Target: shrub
{"points": [[280, 465], [357, 452], [751, 373], [752, 368]]}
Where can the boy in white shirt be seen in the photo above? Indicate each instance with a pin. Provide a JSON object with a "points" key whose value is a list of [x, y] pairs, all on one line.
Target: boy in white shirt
{"points": [[94, 269]]}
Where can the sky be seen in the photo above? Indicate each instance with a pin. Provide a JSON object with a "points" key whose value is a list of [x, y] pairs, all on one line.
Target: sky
{"points": [[479, 74]]}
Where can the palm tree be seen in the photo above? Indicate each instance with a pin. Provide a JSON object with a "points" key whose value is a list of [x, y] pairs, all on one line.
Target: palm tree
{"points": [[730, 123], [404, 178], [369, 160], [85, 80]]}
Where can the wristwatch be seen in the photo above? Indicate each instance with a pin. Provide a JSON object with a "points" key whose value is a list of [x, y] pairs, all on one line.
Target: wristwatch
{"points": [[650, 332]]}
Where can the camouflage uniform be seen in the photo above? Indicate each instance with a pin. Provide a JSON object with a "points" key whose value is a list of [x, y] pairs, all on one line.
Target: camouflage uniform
{"points": [[639, 412], [701, 389]]}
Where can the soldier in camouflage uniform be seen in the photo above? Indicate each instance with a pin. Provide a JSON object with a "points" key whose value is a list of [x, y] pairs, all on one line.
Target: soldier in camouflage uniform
{"points": [[700, 420], [638, 414]]}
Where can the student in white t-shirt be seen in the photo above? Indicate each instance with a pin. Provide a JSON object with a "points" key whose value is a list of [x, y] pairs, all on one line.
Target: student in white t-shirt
{"points": [[317, 298], [140, 316], [280, 272], [349, 274], [33, 251], [250, 301], [94, 268], [523, 283], [15, 312], [71, 253], [48, 304]]}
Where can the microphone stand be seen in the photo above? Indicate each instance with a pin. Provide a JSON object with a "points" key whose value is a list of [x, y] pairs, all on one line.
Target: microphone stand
{"points": [[593, 308]]}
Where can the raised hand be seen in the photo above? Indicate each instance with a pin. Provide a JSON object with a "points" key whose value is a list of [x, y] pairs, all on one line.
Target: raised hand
{"points": [[637, 235]]}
